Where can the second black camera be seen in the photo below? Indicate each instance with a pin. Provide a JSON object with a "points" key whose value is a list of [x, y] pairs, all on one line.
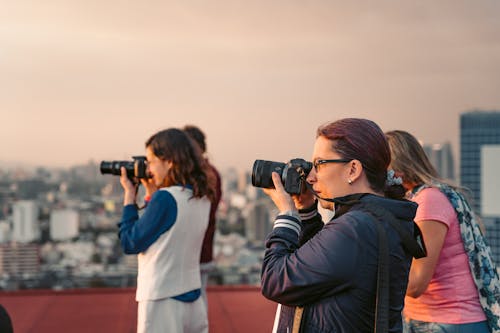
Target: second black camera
{"points": [[293, 174]]}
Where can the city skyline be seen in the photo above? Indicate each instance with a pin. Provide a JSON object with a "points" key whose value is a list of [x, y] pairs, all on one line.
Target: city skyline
{"points": [[92, 81]]}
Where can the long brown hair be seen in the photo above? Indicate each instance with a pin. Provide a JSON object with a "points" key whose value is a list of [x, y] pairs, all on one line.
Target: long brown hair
{"points": [[188, 166]]}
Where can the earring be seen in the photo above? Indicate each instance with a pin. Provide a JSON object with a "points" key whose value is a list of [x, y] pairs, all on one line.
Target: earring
{"points": [[349, 181]]}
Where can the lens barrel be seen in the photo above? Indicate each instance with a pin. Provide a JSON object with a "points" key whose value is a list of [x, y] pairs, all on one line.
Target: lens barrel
{"points": [[113, 168], [262, 173]]}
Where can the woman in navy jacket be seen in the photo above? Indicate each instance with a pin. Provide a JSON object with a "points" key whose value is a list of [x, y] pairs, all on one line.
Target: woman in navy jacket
{"points": [[325, 276]]}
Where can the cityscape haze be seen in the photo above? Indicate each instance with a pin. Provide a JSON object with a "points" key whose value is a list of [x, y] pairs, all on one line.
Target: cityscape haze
{"points": [[92, 81], [86, 81]]}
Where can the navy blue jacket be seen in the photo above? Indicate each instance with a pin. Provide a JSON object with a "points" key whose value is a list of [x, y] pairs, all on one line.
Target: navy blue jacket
{"points": [[333, 274]]}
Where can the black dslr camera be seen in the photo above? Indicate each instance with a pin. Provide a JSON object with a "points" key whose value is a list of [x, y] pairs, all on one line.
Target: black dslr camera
{"points": [[293, 174], [135, 169]]}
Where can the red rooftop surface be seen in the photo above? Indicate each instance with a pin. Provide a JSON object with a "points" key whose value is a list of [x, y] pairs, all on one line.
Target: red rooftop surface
{"points": [[238, 309]]}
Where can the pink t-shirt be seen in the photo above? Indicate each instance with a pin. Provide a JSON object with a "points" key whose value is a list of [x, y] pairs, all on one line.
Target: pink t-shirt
{"points": [[451, 296]]}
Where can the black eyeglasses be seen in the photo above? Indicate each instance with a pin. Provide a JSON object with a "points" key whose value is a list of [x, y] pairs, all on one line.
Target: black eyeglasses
{"points": [[317, 163]]}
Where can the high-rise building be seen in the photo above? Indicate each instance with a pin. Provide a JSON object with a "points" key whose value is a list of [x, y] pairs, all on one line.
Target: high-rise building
{"points": [[230, 180], [479, 144], [19, 259], [258, 223], [63, 224], [477, 128], [4, 231], [25, 221], [441, 157]]}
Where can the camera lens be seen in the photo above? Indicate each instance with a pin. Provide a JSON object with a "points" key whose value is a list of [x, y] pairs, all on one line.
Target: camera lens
{"points": [[262, 173], [106, 167], [113, 168]]}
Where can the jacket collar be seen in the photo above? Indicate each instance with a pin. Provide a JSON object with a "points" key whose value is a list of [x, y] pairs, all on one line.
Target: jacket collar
{"points": [[345, 203]]}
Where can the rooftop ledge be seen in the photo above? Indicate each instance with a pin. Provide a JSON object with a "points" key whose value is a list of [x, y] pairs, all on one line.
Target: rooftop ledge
{"points": [[235, 309]]}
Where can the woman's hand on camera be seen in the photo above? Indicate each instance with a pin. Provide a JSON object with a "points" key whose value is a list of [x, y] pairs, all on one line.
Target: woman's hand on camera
{"points": [[149, 186], [280, 197], [129, 188], [305, 199]]}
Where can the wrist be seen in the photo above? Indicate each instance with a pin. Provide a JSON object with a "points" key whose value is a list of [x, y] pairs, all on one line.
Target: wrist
{"points": [[311, 207], [128, 199], [309, 212], [292, 212]]}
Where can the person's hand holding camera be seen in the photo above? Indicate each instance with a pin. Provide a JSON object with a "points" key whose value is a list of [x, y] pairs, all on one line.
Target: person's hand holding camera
{"points": [[149, 186], [305, 199], [280, 197], [286, 202], [129, 188]]}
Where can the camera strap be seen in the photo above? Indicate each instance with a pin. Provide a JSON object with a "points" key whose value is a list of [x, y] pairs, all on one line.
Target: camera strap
{"points": [[383, 281], [310, 188]]}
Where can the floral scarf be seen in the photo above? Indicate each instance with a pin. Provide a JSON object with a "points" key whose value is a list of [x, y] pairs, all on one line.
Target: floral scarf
{"points": [[481, 264]]}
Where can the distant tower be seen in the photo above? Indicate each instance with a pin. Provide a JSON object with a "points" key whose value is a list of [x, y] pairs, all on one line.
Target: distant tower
{"points": [[19, 259], [4, 232], [63, 224], [25, 221], [258, 224], [244, 179], [441, 157], [230, 181], [479, 165], [477, 128]]}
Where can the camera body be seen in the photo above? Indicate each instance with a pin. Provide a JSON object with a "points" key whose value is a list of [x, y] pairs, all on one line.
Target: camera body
{"points": [[293, 174], [137, 168]]}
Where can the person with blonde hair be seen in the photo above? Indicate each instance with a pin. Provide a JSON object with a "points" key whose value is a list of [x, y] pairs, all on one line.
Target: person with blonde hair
{"points": [[455, 288]]}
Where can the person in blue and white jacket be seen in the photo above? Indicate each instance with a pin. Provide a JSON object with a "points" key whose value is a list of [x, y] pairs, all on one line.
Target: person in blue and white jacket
{"points": [[169, 234]]}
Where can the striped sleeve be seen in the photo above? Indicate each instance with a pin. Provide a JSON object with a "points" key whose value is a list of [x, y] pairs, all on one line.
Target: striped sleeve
{"points": [[308, 213], [288, 221]]}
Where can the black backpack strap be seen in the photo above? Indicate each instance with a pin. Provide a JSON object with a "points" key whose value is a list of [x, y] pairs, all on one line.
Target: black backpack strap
{"points": [[413, 244], [381, 324], [382, 296]]}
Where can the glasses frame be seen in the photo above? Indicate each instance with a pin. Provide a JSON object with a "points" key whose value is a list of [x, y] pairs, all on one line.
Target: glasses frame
{"points": [[317, 163]]}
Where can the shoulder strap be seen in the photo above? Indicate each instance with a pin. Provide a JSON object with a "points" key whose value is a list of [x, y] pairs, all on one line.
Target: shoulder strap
{"points": [[297, 319], [382, 296], [413, 244], [381, 324]]}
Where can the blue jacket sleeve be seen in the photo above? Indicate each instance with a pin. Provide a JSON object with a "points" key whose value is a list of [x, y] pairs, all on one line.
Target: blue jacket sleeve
{"points": [[325, 264], [311, 222], [137, 234]]}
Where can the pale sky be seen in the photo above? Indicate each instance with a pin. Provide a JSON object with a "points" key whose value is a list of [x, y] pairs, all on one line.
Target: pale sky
{"points": [[88, 79]]}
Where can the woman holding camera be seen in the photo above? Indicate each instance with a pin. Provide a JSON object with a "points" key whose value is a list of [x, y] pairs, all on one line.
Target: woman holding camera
{"points": [[327, 276], [168, 235]]}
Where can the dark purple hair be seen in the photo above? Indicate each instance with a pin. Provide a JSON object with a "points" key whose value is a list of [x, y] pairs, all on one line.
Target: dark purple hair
{"points": [[362, 140]]}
